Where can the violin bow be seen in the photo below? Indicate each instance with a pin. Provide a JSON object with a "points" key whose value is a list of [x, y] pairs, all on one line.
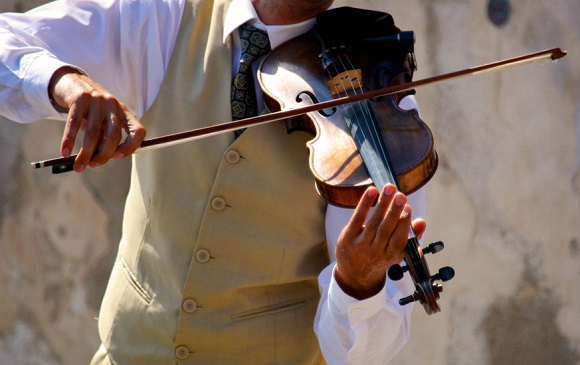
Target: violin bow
{"points": [[64, 164]]}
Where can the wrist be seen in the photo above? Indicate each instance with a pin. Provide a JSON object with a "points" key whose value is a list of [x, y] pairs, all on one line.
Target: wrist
{"points": [[356, 290], [57, 102]]}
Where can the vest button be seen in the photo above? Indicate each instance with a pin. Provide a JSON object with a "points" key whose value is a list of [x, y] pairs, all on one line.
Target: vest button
{"points": [[218, 203], [189, 306], [181, 352], [202, 256], [232, 157]]}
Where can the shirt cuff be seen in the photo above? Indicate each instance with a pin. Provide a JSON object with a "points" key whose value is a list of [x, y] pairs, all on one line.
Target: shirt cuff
{"points": [[358, 310], [38, 75]]}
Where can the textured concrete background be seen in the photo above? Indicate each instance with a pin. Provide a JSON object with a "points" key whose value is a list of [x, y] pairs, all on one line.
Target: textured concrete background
{"points": [[505, 200]]}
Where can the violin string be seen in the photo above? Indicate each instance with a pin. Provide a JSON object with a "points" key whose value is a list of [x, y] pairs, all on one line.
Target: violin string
{"points": [[346, 87], [363, 107], [375, 127], [366, 114], [368, 120], [326, 68]]}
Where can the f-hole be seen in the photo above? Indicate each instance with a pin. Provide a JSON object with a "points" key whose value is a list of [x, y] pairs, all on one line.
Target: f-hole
{"points": [[314, 100]]}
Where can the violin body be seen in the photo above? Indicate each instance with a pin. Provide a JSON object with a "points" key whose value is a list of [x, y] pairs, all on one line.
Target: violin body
{"points": [[292, 76]]}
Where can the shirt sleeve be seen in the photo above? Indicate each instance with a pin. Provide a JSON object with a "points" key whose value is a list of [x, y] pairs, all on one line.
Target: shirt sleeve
{"points": [[123, 45], [370, 331]]}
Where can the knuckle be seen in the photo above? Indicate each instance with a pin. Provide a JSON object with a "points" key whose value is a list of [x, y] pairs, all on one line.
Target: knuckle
{"points": [[93, 130], [84, 97], [108, 99], [371, 224], [71, 122], [116, 134], [139, 133], [74, 118], [132, 124]]}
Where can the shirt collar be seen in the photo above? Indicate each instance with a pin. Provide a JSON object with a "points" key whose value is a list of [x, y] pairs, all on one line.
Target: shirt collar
{"points": [[242, 11]]}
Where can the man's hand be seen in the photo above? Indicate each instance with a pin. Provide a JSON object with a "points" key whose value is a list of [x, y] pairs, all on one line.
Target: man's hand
{"points": [[97, 113], [364, 252]]}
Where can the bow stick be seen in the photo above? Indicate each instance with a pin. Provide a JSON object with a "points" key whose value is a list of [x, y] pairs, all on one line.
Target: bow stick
{"points": [[64, 164]]}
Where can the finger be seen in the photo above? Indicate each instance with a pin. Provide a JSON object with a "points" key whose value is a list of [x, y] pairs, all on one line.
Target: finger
{"points": [[92, 137], [398, 240], [419, 226], [73, 124], [391, 219], [135, 135], [356, 222], [112, 134], [377, 216]]}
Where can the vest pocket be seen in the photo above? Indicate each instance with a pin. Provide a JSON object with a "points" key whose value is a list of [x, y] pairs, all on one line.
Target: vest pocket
{"points": [[135, 284], [270, 309]]}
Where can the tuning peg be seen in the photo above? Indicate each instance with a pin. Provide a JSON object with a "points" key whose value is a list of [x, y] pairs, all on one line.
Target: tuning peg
{"points": [[397, 271], [445, 273], [427, 293], [409, 299], [434, 247]]}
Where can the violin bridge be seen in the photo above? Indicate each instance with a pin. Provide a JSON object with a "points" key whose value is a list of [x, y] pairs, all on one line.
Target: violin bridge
{"points": [[345, 81]]}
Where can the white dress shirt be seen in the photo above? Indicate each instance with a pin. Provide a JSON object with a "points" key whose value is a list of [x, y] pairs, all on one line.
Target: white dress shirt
{"points": [[126, 47]]}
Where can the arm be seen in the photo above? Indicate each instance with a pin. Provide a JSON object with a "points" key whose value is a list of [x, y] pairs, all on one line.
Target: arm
{"points": [[364, 324], [124, 46]]}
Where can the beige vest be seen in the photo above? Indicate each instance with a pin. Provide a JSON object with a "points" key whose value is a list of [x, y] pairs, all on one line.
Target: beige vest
{"points": [[222, 240]]}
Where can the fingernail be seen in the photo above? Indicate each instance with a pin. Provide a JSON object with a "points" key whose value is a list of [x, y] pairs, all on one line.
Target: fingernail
{"points": [[400, 200], [66, 152], [390, 189], [371, 193], [79, 168], [94, 165], [406, 212], [118, 155]]}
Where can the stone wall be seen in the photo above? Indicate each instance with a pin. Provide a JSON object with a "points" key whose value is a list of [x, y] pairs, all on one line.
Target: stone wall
{"points": [[505, 200]]}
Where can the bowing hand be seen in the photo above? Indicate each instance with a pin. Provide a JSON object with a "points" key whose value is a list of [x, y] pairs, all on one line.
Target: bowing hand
{"points": [[97, 113]]}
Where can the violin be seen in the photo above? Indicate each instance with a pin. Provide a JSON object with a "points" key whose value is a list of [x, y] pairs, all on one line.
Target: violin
{"points": [[342, 85], [368, 142]]}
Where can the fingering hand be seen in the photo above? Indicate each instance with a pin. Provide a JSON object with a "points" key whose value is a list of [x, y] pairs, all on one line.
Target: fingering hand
{"points": [[365, 251]]}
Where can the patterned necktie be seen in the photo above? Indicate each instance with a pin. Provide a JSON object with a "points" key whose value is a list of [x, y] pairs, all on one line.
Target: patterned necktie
{"points": [[255, 44]]}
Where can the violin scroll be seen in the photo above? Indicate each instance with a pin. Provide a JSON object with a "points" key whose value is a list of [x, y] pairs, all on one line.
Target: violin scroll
{"points": [[426, 290]]}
